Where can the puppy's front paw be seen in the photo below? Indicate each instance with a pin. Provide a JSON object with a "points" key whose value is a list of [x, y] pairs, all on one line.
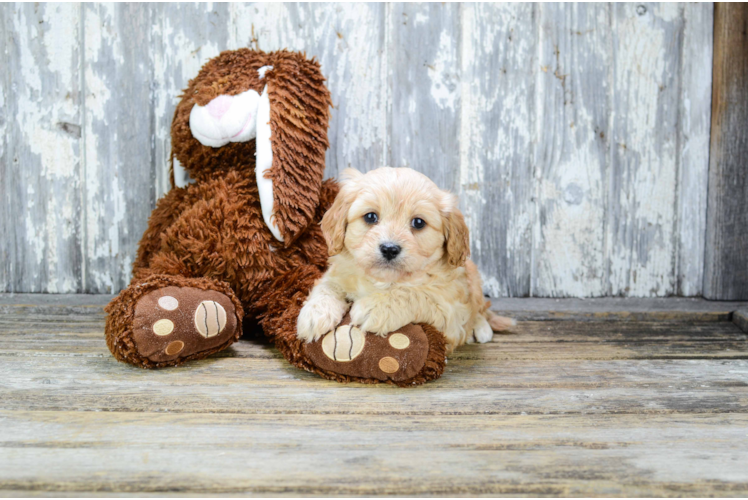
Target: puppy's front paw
{"points": [[318, 317], [482, 332], [360, 311], [375, 316]]}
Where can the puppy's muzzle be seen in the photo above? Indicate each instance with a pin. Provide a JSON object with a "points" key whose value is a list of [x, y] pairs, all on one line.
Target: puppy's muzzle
{"points": [[389, 250]]}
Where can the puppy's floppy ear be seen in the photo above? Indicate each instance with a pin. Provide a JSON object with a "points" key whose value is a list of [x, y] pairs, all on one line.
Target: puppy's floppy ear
{"points": [[350, 176], [335, 219], [291, 142], [456, 232]]}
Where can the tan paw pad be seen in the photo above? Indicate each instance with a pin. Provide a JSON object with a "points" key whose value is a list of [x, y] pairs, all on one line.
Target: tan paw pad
{"points": [[388, 365], [210, 318], [168, 303], [344, 344], [399, 341], [163, 327], [174, 348]]}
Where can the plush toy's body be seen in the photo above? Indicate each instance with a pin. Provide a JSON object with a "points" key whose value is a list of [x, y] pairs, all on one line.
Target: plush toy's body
{"points": [[242, 245]]}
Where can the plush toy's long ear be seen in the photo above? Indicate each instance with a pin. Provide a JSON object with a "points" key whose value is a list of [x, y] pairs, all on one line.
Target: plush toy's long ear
{"points": [[456, 232], [291, 142]]}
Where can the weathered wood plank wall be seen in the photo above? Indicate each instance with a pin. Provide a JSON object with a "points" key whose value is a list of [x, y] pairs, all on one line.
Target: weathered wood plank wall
{"points": [[577, 135], [42, 178], [726, 271]]}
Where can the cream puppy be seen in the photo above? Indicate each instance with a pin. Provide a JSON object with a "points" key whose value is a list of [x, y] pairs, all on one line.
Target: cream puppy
{"points": [[398, 252]]}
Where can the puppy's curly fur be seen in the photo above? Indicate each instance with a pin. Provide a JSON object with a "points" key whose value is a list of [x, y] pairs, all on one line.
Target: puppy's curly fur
{"points": [[399, 250]]}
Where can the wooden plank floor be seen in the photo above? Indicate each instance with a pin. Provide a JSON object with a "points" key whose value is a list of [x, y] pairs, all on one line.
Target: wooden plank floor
{"points": [[640, 400]]}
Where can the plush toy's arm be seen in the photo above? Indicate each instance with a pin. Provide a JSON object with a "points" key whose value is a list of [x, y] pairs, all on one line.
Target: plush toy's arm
{"points": [[167, 210]]}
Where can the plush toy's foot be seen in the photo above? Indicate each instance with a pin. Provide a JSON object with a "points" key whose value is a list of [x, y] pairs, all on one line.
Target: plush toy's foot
{"points": [[413, 355], [401, 358], [167, 320], [180, 322]]}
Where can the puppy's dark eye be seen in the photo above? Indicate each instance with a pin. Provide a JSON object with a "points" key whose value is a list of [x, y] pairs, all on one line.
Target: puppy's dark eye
{"points": [[418, 223], [371, 218]]}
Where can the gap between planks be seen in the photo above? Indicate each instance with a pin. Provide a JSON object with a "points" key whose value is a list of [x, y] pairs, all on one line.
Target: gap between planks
{"points": [[612, 308]]}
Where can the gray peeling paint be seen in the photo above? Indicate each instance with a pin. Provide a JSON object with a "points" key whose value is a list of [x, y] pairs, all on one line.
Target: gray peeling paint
{"points": [[575, 134]]}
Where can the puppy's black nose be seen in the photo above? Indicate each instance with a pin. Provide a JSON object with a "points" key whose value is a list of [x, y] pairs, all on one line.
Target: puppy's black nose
{"points": [[389, 250]]}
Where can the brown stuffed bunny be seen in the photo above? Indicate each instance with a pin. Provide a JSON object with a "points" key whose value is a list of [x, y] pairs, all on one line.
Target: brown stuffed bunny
{"points": [[242, 244]]}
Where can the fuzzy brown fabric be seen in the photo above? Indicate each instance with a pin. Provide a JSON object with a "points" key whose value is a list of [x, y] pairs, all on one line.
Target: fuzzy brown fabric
{"points": [[121, 318], [211, 235]]}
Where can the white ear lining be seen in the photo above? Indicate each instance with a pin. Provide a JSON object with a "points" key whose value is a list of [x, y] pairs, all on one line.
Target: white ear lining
{"points": [[247, 117], [263, 162]]}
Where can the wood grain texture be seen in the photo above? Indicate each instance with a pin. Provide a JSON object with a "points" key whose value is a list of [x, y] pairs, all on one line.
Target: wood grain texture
{"points": [[564, 368], [726, 261], [119, 168], [499, 45], [642, 181], [347, 455], [5, 208], [572, 150], [41, 177], [349, 42], [694, 123], [425, 62], [560, 408], [575, 135]]}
